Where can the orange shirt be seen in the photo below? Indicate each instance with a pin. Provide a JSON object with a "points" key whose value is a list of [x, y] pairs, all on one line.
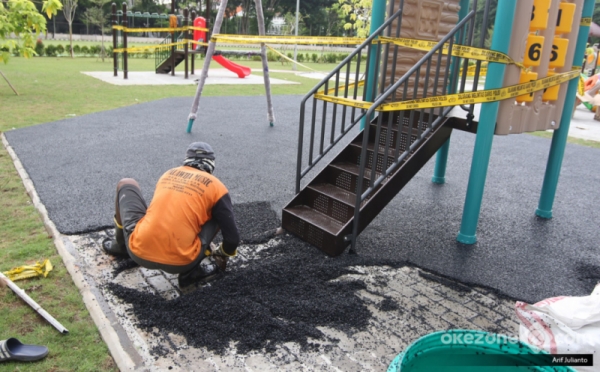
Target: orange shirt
{"points": [[182, 203]]}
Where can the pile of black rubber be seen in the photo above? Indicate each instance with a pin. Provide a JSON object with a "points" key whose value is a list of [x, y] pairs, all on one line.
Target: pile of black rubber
{"points": [[281, 296]]}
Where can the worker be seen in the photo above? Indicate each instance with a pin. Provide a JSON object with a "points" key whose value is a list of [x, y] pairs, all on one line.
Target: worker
{"points": [[174, 234]]}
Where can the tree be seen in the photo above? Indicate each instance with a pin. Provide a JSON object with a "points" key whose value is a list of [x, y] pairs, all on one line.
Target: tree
{"points": [[95, 16], [359, 14], [69, 7], [21, 18]]}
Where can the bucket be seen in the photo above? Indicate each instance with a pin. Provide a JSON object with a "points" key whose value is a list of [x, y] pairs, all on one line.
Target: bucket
{"points": [[467, 350]]}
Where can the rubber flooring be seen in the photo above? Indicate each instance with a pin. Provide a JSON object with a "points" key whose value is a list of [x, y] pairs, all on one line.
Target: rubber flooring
{"points": [[75, 164]]}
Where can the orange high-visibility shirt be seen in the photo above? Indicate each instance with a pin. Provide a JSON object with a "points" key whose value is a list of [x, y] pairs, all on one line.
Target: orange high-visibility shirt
{"points": [[182, 203]]}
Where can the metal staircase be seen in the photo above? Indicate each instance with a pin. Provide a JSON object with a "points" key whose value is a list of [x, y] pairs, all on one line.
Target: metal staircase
{"points": [[163, 55], [376, 163]]}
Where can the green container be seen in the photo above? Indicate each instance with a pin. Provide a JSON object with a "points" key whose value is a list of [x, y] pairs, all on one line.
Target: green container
{"points": [[467, 350]]}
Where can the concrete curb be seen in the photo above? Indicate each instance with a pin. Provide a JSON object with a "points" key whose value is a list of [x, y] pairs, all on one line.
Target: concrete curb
{"points": [[110, 337]]}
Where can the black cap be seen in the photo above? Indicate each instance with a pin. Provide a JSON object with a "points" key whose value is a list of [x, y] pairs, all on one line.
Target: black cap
{"points": [[200, 150]]}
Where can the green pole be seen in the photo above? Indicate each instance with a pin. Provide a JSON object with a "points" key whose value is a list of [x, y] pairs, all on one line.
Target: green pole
{"points": [[439, 172], [377, 19], [487, 125], [559, 139]]}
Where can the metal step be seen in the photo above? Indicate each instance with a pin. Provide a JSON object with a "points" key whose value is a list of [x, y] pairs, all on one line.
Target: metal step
{"points": [[323, 212], [165, 67], [331, 201]]}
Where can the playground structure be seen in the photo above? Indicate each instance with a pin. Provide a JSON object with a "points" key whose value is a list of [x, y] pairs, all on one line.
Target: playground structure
{"points": [[419, 63], [413, 95], [174, 49]]}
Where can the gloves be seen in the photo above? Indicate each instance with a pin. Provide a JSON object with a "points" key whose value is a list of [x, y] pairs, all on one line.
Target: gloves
{"points": [[220, 252]]}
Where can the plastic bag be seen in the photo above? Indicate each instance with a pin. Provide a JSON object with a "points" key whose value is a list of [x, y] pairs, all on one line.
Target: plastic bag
{"points": [[563, 325]]}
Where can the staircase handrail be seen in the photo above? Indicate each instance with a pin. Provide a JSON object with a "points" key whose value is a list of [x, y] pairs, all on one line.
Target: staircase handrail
{"points": [[381, 99], [388, 170], [299, 172]]}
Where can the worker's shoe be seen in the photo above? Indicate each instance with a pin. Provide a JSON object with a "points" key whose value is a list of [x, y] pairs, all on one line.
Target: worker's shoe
{"points": [[116, 247], [111, 247], [202, 273]]}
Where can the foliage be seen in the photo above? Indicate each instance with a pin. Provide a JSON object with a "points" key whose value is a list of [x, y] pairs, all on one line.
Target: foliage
{"points": [[21, 17], [77, 49], [60, 49], [85, 50], [51, 50], [314, 57], [359, 14]]}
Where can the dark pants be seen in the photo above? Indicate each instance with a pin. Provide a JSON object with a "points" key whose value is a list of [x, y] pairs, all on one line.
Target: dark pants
{"points": [[131, 207]]}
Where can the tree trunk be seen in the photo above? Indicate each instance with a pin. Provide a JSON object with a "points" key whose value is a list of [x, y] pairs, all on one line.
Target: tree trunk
{"points": [[71, 38], [102, 42]]}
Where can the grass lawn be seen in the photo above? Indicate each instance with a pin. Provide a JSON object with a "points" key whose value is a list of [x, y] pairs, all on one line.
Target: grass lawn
{"points": [[52, 89]]}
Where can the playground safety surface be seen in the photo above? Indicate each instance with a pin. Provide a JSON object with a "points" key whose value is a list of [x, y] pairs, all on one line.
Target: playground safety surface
{"points": [[216, 76], [75, 164]]}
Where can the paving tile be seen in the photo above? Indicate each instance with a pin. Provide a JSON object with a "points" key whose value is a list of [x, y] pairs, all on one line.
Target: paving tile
{"points": [[160, 283], [457, 321], [459, 309], [484, 311], [485, 324], [149, 273]]}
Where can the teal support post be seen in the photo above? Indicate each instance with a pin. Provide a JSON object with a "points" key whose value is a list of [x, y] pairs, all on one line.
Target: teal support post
{"points": [[377, 19], [441, 160], [439, 172], [487, 125], [559, 139]]}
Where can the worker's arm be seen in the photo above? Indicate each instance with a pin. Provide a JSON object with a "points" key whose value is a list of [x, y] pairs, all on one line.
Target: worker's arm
{"points": [[222, 213]]}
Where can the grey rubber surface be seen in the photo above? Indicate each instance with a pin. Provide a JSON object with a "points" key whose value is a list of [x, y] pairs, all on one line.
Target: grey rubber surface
{"points": [[76, 163]]}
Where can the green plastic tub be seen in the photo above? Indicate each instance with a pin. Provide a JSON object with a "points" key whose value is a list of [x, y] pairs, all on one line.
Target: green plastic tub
{"points": [[467, 350]]}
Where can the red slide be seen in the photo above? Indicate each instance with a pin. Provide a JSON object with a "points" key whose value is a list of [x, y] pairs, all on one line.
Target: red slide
{"points": [[241, 71]]}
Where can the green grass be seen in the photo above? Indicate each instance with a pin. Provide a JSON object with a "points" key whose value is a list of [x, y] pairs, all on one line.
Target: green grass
{"points": [[51, 89], [573, 140]]}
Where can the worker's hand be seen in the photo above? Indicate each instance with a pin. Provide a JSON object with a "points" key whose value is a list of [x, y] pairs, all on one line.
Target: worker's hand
{"points": [[221, 252]]}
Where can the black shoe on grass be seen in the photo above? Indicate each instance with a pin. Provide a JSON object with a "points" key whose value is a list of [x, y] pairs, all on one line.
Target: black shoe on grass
{"points": [[202, 273]]}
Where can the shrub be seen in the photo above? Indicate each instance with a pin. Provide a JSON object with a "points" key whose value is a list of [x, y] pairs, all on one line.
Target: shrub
{"points": [[60, 49], [85, 50], [290, 55], [147, 53], [94, 49], [76, 49], [330, 58], [314, 57], [16, 51], [300, 57], [51, 50], [272, 56], [39, 47], [256, 58]]}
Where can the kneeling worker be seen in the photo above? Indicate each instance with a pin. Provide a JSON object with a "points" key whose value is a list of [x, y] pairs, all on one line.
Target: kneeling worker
{"points": [[174, 234]]}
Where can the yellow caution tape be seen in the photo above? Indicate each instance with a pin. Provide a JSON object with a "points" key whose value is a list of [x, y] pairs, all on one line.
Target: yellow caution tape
{"points": [[258, 39], [142, 49], [341, 88], [288, 58], [29, 271], [587, 21], [462, 51], [159, 29], [460, 98]]}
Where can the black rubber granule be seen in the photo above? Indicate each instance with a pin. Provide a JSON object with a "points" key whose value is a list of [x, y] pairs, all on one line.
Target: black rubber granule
{"points": [[280, 294]]}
